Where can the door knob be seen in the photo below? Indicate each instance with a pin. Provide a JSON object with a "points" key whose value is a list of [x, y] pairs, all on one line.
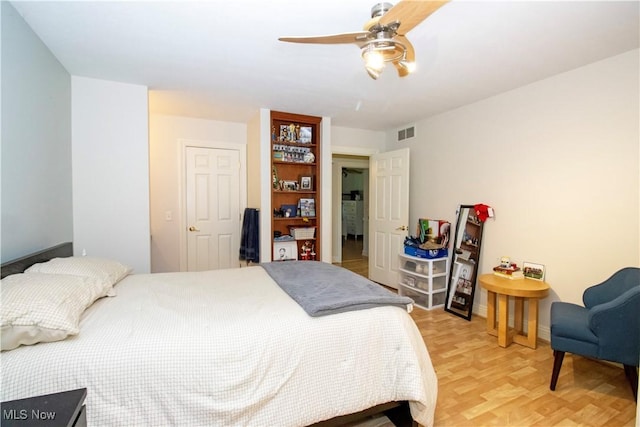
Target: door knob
{"points": [[402, 228], [192, 228]]}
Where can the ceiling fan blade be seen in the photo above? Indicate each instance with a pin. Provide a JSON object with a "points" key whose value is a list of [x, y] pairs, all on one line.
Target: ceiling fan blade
{"points": [[355, 37], [371, 23], [410, 57], [410, 13]]}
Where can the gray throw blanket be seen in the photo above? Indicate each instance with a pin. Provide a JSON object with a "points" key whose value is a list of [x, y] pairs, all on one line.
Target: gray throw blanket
{"points": [[322, 288]]}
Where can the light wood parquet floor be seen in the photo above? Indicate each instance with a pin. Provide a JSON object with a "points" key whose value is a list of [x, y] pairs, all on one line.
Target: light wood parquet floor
{"points": [[482, 384]]}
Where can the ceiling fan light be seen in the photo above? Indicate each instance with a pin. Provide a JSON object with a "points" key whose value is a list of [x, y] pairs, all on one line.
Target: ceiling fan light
{"points": [[373, 59], [410, 66], [373, 73]]}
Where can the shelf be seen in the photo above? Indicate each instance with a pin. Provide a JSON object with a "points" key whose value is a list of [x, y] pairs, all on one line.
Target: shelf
{"points": [[293, 144], [284, 162], [294, 218], [294, 191], [288, 131]]}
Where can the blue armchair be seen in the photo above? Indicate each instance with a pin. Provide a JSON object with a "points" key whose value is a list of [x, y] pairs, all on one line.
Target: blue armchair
{"points": [[606, 328]]}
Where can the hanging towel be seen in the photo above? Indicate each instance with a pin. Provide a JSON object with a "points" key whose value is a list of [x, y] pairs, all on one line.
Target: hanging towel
{"points": [[250, 239]]}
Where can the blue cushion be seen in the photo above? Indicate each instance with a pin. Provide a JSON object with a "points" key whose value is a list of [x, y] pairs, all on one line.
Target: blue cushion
{"points": [[571, 320], [570, 331]]}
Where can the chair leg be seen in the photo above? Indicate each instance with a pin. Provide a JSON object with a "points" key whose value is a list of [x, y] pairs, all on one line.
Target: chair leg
{"points": [[632, 375], [558, 357]]}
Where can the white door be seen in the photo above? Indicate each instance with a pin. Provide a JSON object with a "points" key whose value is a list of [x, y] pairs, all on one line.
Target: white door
{"points": [[388, 214], [213, 208]]}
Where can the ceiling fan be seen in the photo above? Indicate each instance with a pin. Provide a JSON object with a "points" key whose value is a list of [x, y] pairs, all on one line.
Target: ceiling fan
{"points": [[383, 38]]}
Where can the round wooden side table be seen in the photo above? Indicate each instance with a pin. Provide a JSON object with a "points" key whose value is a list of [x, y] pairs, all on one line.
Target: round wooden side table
{"points": [[501, 289]]}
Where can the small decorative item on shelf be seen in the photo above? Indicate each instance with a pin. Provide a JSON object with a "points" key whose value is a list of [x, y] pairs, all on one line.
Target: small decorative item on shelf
{"points": [[291, 136], [508, 269], [274, 177], [309, 157], [308, 252]]}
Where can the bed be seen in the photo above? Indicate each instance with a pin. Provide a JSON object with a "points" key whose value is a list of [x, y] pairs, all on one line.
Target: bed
{"points": [[227, 347]]}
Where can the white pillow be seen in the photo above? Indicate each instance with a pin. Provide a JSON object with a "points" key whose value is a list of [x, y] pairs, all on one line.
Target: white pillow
{"points": [[39, 307], [107, 271]]}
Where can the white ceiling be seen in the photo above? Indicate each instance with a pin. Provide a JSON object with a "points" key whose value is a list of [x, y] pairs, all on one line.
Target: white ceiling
{"points": [[221, 59]]}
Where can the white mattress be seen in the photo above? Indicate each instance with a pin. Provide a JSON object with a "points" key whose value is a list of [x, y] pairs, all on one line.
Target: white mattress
{"points": [[226, 347]]}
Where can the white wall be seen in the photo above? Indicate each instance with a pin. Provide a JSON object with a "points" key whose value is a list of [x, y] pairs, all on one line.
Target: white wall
{"points": [[326, 189], [356, 140], [261, 148], [558, 160], [36, 142], [165, 133], [111, 171]]}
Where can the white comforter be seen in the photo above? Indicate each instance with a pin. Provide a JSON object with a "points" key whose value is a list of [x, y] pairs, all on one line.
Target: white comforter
{"points": [[226, 347]]}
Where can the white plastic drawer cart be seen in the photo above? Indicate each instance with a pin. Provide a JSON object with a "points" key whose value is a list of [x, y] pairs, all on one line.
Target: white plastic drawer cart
{"points": [[424, 279]]}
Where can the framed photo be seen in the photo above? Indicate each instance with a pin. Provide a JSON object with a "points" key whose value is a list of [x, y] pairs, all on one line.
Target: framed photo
{"points": [[284, 133], [305, 134], [533, 271], [308, 207], [285, 251], [289, 185], [305, 183]]}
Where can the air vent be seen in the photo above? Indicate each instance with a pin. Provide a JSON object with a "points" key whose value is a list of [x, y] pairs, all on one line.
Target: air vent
{"points": [[406, 133]]}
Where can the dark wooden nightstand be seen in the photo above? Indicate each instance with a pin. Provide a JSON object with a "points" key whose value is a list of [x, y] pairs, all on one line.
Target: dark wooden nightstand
{"points": [[58, 409]]}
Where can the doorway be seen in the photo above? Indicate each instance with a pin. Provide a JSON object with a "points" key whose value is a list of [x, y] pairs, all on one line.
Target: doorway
{"points": [[354, 181], [350, 212], [387, 195]]}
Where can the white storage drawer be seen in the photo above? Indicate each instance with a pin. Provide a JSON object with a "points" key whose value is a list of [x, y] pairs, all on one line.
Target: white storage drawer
{"points": [[424, 266], [424, 300], [423, 279]]}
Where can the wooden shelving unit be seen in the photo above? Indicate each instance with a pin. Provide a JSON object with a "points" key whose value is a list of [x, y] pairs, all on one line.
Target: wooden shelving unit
{"points": [[295, 190]]}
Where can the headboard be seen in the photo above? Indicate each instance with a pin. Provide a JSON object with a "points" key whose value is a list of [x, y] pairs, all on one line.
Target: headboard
{"points": [[21, 264]]}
